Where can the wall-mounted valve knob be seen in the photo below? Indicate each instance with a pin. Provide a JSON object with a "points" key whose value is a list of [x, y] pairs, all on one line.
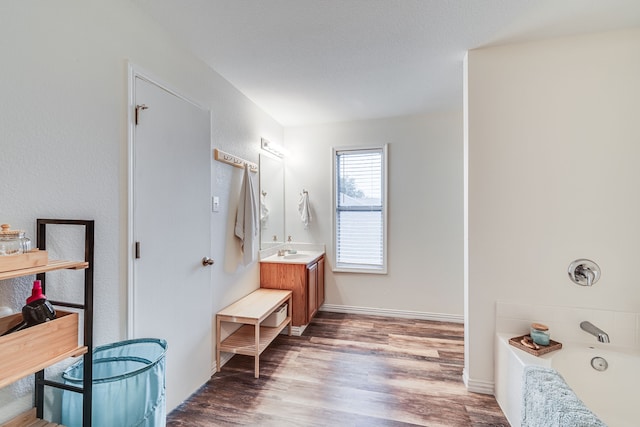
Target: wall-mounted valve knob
{"points": [[584, 272]]}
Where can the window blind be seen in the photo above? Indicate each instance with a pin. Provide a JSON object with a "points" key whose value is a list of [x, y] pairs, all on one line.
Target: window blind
{"points": [[359, 208]]}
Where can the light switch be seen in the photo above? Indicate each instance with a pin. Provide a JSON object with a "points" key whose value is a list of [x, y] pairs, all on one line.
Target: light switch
{"points": [[215, 204]]}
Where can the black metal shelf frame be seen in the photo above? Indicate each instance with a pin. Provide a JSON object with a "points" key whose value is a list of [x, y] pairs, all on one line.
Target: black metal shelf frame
{"points": [[86, 306]]}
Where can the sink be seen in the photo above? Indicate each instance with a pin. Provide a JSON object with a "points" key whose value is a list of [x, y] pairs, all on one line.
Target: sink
{"points": [[300, 257]]}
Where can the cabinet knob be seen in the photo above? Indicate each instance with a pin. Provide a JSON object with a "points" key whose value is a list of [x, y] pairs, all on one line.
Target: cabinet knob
{"points": [[206, 261]]}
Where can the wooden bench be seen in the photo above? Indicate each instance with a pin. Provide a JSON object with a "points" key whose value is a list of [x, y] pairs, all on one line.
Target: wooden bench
{"points": [[252, 338]]}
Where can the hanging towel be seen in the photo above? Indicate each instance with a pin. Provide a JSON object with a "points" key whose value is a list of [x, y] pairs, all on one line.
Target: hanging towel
{"points": [[304, 209], [246, 228], [264, 211]]}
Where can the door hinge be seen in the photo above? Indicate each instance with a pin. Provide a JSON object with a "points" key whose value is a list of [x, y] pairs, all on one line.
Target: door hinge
{"points": [[137, 250], [137, 114]]}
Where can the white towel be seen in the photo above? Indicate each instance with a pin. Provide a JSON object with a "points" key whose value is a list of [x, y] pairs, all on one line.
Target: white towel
{"points": [[264, 211], [246, 228], [304, 209]]}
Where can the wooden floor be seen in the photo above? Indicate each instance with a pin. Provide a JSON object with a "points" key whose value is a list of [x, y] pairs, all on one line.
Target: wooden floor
{"points": [[347, 370]]}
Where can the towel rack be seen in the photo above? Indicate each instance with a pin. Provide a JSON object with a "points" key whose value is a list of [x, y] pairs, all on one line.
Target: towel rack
{"points": [[232, 160]]}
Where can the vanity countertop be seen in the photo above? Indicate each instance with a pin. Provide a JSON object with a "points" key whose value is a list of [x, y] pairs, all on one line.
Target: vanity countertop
{"points": [[300, 257]]}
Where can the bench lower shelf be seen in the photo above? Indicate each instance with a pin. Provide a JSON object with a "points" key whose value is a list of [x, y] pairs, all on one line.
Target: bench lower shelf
{"points": [[243, 341]]}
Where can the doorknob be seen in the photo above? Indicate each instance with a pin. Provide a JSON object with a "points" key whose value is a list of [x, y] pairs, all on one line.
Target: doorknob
{"points": [[206, 261]]}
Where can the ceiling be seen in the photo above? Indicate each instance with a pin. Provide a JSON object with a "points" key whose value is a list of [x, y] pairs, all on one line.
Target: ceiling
{"points": [[316, 61]]}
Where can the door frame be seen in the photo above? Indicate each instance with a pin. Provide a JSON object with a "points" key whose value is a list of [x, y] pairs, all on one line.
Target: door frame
{"points": [[133, 72]]}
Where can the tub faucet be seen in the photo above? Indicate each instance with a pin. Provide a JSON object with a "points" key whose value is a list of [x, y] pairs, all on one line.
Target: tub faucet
{"points": [[595, 331]]}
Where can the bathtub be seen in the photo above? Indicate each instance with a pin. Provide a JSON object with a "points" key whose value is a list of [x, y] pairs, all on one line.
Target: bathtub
{"points": [[610, 394]]}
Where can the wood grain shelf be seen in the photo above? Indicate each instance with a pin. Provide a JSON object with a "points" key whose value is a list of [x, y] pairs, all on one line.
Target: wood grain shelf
{"points": [[52, 265], [29, 419]]}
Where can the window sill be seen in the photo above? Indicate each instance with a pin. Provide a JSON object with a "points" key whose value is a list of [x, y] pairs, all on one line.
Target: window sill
{"points": [[360, 270]]}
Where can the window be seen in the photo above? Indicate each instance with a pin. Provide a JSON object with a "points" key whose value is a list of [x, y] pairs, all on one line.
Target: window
{"points": [[360, 198]]}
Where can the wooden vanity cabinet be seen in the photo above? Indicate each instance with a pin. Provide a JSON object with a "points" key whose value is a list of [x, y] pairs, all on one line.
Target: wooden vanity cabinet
{"points": [[306, 281]]}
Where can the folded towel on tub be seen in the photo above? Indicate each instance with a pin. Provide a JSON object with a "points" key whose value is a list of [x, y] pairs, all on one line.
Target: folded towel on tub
{"points": [[548, 401]]}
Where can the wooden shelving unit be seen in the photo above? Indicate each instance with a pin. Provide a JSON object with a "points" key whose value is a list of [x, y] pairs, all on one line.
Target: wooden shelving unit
{"points": [[31, 350], [252, 339]]}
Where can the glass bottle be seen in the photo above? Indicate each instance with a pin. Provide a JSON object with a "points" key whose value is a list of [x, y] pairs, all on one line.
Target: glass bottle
{"points": [[13, 242]]}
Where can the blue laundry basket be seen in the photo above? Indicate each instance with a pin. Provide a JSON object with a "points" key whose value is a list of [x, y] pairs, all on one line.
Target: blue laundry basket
{"points": [[128, 386]]}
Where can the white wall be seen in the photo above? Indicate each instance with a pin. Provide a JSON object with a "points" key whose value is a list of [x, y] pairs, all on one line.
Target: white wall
{"points": [[63, 133], [425, 211], [553, 176]]}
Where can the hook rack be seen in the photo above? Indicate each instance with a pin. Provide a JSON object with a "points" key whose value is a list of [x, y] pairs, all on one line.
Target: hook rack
{"points": [[232, 160]]}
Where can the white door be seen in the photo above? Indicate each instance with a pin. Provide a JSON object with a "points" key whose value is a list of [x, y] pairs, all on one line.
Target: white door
{"points": [[171, 221]]}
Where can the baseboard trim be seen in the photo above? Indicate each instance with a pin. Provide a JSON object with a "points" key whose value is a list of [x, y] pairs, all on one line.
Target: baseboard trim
{"points": [[478, 386], [386, 312]]}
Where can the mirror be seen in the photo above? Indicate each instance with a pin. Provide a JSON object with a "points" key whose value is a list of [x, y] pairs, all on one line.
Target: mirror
{"points": [[271, 206]]}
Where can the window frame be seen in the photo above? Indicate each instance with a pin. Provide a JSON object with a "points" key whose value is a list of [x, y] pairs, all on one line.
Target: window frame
{"points": [[359, 268]]}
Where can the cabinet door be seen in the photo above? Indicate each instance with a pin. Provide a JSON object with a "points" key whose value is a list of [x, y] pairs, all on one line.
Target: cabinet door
{"points": [[320, 282], [292, 277], [312, 291]]}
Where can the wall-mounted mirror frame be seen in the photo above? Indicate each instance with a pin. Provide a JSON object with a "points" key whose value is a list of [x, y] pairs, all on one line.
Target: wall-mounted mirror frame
{"points": [[271, 205]]}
